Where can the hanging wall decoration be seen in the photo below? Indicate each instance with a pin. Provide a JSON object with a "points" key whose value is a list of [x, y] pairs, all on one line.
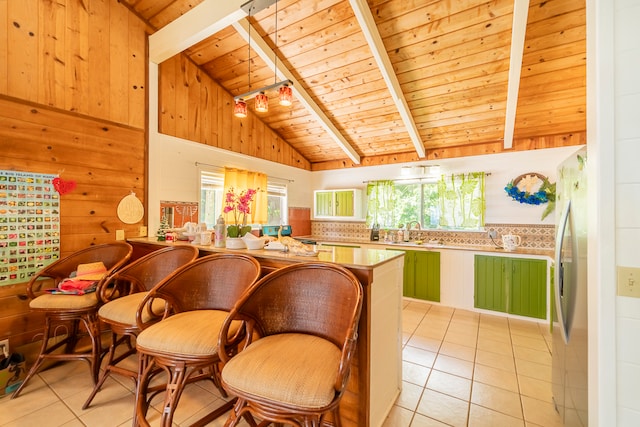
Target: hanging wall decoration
{"points": [[130, 209], [533, 189], [63, 186], [29, 224]]}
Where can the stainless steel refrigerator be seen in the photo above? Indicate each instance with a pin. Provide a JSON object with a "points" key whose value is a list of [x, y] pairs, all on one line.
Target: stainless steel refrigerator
{"points": [[569, 348]]}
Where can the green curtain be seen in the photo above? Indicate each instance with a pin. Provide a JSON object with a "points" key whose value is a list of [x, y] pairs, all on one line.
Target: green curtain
{"points": [[381, 203], [462, 203]]}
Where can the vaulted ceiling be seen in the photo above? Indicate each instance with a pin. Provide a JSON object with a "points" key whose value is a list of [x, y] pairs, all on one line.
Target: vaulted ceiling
{"points": [[387, 81]]}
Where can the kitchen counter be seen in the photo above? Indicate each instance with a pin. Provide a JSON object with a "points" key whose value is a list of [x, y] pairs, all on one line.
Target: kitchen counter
{"points": [[428, 246], [457, 270], [376, 378]]}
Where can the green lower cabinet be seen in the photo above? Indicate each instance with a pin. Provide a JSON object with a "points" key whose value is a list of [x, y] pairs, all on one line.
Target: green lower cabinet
{"points": [[422, 275], [511, 285], [490, 290]]}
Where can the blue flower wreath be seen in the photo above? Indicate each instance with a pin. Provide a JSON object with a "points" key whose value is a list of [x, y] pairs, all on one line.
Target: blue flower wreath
{"points": [[545, 194], [536, 198]]}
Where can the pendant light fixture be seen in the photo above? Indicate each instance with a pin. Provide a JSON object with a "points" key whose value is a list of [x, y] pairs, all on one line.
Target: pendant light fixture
{"points": [[261, 102], [286, 95], [240, 109]]}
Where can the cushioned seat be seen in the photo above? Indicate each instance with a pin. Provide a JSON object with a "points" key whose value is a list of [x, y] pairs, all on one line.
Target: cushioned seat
{"points": [[123, 310], [73, 310], [192, 332], [294, 369], [123, 294], [184, 344], [64, 302], [294, 363]]}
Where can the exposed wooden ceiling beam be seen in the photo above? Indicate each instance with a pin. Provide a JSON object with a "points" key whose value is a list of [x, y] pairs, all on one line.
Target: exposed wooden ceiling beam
{"points": [[266, 53], [519, 28], [370, 31], [205, 19]]}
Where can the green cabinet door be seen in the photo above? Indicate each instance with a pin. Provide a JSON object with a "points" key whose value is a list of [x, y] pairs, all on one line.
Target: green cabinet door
{"points": [[324, 203], [422, 275], [489, 283], [344, 203], [528, 287], [511, 285]]}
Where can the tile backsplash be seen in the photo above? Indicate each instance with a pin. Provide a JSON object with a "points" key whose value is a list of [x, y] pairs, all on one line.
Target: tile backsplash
{"points": [[534, 236]]}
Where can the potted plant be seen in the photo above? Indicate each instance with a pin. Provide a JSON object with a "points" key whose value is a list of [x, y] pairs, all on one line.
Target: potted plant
{"points": [[240, 205]]}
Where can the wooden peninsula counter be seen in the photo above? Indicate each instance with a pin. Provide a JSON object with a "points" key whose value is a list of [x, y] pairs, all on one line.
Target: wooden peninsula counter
{"points": [[376, 375]]}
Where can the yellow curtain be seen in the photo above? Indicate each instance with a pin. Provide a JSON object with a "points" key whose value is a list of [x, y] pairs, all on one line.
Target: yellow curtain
{"points": [[240, 180]]}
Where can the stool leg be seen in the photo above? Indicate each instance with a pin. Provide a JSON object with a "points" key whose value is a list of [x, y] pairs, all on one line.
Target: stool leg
{"points": [[105, 374], [93, 328], [175, 387], [145, 370]]}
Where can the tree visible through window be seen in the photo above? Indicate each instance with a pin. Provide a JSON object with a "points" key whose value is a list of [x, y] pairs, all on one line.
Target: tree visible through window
{"points": [[454, 201]]}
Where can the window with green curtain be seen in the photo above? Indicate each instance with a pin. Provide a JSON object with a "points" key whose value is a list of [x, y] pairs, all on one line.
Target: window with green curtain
{"points": [[381, 203], [462, 202]]}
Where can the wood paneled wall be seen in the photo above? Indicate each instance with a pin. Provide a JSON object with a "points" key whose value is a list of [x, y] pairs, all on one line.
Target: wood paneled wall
{"points": [[194, 107], [73, 102], [84, 56]]}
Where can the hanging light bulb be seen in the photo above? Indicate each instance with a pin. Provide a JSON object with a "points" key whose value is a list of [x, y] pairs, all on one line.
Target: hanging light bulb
{"points": [[262, 103], [286, 95], [240, 109]]}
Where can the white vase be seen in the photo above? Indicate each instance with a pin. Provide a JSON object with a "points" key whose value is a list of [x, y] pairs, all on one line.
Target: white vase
{"points": [[235, 243]]}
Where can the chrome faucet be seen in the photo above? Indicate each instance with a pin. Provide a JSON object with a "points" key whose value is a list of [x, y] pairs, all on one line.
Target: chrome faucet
{"points": [[414, 222]]}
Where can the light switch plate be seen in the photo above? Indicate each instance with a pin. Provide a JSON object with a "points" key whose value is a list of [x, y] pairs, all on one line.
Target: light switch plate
{"points": [[143, 231], [119, 234], [629, 281]]}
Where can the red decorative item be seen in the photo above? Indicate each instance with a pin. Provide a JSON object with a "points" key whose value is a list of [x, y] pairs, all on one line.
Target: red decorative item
{"points": [[63, 187]]}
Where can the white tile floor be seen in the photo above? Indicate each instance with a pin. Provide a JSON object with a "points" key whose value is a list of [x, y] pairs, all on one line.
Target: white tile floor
{"points": [[460, 368]]}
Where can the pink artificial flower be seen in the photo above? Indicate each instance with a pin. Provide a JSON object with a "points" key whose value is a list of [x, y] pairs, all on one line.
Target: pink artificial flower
{"points": [[239, 204]]}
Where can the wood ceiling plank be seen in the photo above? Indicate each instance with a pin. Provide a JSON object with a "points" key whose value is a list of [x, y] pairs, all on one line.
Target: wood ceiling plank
{"points": [[535, 47], [553, 65], [455, 70], [175, 8], [542, 10], [551, 82], [456, 45], [441, 19], [150, 8], [216, 47], [298, 19], [265, 53]]}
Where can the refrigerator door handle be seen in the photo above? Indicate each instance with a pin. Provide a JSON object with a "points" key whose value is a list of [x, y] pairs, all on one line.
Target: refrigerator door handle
{"points": [[559, 274]]}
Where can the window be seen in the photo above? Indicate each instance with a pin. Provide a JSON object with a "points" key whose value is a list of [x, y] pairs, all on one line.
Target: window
{"points": [[452, 202], [212, 193], [277, 212]]}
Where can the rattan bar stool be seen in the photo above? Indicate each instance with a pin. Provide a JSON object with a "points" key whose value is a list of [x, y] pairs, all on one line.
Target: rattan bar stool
{"points": [[72, 309], [294, 363], [129, 286], [184, 344]]}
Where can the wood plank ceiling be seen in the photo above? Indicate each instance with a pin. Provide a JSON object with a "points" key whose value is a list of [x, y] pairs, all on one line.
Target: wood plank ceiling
{"points": [[450, 60]]}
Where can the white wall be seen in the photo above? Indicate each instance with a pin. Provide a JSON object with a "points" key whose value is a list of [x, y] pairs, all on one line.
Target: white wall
{"points": [[504, 167], [626, 36], [177, 176]]}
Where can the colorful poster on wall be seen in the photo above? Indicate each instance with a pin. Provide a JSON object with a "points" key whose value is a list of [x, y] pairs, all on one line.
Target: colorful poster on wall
{"points": [[29, 224]]}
